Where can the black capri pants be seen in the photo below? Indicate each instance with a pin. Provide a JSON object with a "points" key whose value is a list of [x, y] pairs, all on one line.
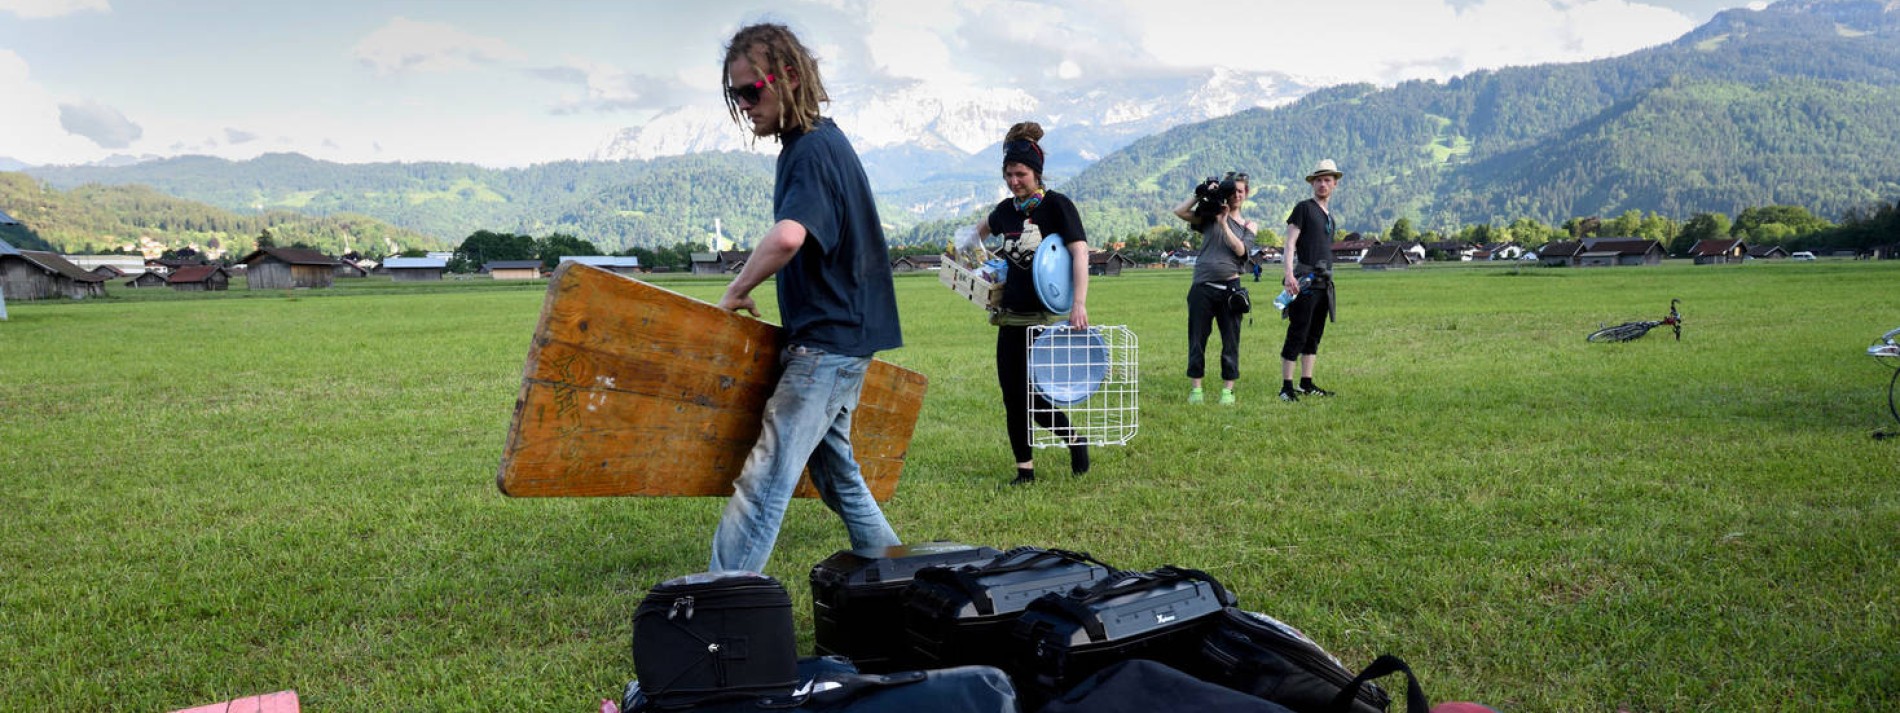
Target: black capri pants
{"points": [[1306, 322], [1207, 308]]}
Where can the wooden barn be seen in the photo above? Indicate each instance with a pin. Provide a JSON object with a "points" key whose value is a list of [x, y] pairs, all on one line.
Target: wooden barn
{"points": [[1386, 257], [200, 278], [619, 264], [110, 272], [914, 263], [1618, 252], [288, 268], [415, 269], [1108, 263], [1717, 252], [345, 268], [720, 263], [36, 275], [513, 269], [148, 278]]}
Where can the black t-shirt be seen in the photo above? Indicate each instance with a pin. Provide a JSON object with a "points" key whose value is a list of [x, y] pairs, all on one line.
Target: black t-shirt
{"points": [[1315, 246], [1055, 216], [836, 294]]}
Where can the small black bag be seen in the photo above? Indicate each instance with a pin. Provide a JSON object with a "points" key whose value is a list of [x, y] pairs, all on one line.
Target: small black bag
{"points": [[1259, 655], [712, 636], [1238, 301]]}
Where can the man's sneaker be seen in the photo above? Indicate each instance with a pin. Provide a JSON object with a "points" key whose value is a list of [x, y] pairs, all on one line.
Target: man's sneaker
{"points": [[1226, 397], [1195, 396], [1314, 391], [1288, 394]]}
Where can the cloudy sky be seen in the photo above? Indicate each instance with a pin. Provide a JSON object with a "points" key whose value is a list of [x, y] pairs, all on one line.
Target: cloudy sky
{"points": [[507, 83]]}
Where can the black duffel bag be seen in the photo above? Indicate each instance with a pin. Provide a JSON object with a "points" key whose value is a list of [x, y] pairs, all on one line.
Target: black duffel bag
{"points": [[1262, 656], [714, 636]]}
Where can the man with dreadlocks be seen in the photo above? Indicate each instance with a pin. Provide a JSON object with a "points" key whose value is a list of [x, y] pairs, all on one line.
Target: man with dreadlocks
{"points": [[835, 297]]}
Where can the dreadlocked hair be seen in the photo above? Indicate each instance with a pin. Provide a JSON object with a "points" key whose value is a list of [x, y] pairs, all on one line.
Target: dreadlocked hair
{"points": [[1025, 131], [773, 49]]}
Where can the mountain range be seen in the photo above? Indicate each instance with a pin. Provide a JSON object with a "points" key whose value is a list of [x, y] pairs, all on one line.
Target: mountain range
{"points": [[1792, 104]]}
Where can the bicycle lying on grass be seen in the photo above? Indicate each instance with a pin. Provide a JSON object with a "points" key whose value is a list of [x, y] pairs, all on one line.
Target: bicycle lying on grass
{"points": [[1628, 331], [1887, 351]]}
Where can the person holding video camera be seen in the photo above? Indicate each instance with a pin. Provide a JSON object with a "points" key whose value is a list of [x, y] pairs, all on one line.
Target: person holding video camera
{"points": [[1217, 299], [1052, 214]]}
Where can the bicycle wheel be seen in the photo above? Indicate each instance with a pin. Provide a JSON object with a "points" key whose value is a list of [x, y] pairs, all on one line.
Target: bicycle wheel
{"points": [[1620, 333]]}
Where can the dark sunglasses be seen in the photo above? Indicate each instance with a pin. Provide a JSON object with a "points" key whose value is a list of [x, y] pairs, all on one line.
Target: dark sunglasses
{"points": [[749, 94]]}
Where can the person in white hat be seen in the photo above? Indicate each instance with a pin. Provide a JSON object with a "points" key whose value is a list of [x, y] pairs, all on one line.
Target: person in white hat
{"points": [[1309, 260]]}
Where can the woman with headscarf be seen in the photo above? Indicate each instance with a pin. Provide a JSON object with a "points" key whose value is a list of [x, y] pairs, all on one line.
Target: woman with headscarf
{"points": [[1053, 215]]}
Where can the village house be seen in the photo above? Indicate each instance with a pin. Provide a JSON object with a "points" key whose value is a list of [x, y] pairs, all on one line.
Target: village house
{"points": [[416, 269], [200, 278], [1353, 248], [288, 268]]}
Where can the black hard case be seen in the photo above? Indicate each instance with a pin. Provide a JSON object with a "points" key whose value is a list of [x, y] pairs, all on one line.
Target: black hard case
{"points": [[962, 616], [1262, 656], [857, 600], [713, 636], [1156, 615]]}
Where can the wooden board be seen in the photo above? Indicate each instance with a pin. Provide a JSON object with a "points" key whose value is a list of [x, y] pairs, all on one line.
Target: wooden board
{"points": [[632, 389]]}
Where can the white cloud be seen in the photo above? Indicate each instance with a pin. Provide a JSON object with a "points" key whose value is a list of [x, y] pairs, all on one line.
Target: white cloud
{"points": [[406, 45], [29, 128], [606, 87], [42, 9], [102, 124]]}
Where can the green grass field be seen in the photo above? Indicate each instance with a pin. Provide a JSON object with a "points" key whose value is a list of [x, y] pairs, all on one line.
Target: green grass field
{"points": [[212, 497]]}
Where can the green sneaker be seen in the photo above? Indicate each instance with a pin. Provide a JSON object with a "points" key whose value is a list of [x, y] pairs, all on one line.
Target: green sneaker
{"points": [[1226, 397], [1195, 396]]}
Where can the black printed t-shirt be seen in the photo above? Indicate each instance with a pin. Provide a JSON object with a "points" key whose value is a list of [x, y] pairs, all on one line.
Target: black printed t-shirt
{"points": [[1055, 216], [1315, 246], [836, 294]]}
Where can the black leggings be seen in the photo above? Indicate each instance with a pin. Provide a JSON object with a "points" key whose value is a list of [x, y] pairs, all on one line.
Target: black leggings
{"points": [[1012, 374], [1306, 323], [1207, 308]]}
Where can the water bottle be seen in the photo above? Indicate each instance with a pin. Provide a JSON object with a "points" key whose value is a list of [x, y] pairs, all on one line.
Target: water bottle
{"points": [[1286, 298]]}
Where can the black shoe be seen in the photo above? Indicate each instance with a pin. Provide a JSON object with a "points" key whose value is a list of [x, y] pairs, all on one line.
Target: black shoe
{"points": [[1079, 457], [1024, 476], [1311, 390], [1287, 394]]}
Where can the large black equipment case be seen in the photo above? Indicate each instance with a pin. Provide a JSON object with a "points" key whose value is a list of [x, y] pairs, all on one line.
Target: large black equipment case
{"points": [[962, 616], [715, 635], [1259, 655], [1133, 615], [857, 600]]}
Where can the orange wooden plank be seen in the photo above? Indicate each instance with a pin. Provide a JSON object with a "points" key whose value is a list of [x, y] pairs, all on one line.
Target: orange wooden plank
{"points": [[631, 389]]}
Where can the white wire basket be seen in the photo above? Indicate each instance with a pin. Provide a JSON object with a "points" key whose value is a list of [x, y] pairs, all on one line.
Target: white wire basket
{"points": [[1089, 377]]}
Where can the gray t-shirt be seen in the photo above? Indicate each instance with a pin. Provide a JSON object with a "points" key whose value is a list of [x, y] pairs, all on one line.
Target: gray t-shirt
{"points": [[1218, 261]]}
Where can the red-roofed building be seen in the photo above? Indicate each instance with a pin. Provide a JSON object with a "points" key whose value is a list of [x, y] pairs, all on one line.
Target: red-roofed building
{"points": [[1717, 252], [200, 278]]}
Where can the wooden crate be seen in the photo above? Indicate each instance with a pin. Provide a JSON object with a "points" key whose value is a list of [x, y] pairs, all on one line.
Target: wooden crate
{"points": [[966, 282], [631, 389]]}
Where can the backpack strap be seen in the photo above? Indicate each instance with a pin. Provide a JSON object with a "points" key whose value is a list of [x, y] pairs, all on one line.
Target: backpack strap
{"points": [[1415, 701]]}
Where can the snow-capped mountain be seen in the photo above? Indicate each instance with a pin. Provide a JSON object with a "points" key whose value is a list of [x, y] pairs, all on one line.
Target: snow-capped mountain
{"points": [[930, 142]]}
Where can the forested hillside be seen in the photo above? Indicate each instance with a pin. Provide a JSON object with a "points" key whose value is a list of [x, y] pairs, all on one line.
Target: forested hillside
{"points": [[95, 218], [1790, 105]]}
